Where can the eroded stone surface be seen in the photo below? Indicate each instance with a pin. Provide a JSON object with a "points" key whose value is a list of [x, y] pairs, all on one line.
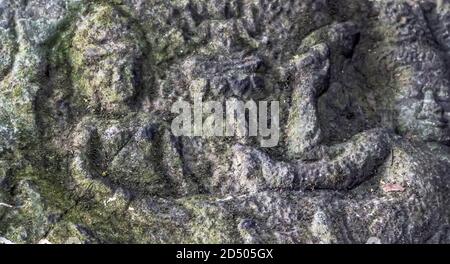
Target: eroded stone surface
{"points": [[87, 154]]}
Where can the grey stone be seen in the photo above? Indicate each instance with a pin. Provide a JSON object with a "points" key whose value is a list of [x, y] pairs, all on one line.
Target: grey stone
{"points": [[87, 154]]}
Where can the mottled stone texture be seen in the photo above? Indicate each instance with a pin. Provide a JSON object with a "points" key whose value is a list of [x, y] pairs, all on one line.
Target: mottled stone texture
{"points": [[87, 154]]}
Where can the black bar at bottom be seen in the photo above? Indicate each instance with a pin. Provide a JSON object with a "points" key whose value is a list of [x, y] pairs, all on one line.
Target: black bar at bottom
{"points": [[225, 253]]}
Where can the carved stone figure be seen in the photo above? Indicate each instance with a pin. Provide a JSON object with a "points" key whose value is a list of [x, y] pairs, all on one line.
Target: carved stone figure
{"points": [[87, 153]]}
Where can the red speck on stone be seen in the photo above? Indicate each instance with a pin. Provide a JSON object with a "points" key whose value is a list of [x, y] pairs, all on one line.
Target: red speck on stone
{"points": [[393, 187]]}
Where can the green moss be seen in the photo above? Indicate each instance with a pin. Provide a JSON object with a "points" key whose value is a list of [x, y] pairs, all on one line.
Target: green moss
{"points": [[210, 223], [49, 185], [87, 208]]}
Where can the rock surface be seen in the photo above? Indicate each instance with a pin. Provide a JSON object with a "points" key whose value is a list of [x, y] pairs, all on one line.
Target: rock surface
{"points": [[87, 154]]}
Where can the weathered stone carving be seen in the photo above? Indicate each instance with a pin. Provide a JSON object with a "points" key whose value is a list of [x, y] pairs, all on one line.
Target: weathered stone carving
{"points": [[87, 154]]}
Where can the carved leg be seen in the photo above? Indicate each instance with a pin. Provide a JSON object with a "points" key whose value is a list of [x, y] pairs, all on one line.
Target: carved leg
{"points": [[312, 72], [348, 165]]}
